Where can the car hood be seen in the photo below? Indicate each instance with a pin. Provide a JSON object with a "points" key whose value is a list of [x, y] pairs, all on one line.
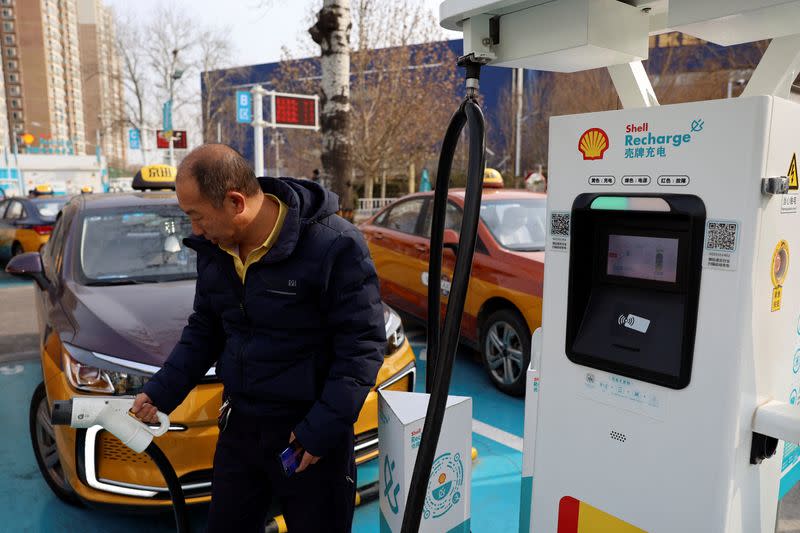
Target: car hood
{"points": [[141, 323]]}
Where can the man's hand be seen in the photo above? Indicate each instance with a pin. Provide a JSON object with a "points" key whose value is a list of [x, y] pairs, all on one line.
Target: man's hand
{"points": [[144, 409], [307, 459]]}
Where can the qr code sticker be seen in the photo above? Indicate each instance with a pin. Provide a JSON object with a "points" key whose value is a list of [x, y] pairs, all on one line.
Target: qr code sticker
{"points": [[722, 236], [559, 224]]}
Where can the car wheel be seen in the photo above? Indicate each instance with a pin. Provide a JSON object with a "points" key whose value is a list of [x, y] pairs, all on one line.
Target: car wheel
{"points": [[506, 350], [45, 449], [17, 249]]}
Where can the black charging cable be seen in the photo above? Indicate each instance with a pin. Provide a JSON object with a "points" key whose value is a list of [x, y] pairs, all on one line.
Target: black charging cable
{"points": [[441, 348]]}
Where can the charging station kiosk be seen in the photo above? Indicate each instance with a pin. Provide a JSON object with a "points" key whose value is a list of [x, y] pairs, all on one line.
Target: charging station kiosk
{"points": [[663, 388], [662, 338]]}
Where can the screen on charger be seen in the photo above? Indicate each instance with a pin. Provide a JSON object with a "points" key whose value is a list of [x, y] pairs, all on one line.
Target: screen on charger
{"points": [[648, 258]]}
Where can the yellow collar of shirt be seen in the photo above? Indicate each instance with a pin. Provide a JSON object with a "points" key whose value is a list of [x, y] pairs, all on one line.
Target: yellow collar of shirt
{"points": [[261, 251]]}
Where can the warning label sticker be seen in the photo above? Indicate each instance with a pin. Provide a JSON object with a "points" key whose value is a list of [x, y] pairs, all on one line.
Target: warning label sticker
{"points": [[789, 203], [792, 173], [721, 245], [559, 231]]}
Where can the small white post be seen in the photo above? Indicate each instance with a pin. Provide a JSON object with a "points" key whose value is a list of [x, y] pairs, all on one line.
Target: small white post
{"points": [[258, 129]]}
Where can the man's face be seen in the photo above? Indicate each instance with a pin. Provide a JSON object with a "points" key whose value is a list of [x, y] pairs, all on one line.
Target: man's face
{"points": [[218, 225]]}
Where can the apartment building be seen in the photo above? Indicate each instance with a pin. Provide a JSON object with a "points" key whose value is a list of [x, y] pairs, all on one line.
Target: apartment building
{"points": [[102, 81]]}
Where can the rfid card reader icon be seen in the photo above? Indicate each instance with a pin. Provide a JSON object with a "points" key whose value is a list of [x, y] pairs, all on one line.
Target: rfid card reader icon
{"points": [[634, 322]]}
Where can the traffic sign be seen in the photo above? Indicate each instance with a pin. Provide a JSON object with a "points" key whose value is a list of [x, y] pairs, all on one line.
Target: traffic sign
{"points": [[134, 139], [166, 115], [178, 139], [244, 107]]}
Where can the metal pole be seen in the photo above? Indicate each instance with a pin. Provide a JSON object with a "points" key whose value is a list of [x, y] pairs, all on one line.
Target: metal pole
{"points": [[278, 140], [258, 129], [219, 131], [518, 104], [143, 142]]}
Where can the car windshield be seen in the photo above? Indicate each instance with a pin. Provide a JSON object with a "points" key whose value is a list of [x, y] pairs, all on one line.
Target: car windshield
{"points": [[49, 208], [517, 224], [136, 245]]}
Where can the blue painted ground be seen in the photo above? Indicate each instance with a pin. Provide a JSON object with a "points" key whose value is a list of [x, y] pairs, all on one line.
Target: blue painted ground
{"points": [[28, 504]]}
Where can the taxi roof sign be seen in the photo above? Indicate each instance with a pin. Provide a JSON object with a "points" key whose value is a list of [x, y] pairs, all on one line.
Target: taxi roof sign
{"points": [[155, 177], [492, 179], [41, 189]]}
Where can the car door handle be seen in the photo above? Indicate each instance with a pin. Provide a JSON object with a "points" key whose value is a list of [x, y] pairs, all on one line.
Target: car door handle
{"points": [[378, 235], [421, 248]]}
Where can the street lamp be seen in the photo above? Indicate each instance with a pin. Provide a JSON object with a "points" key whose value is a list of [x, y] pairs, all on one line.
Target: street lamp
{"points": [[175, 76]]}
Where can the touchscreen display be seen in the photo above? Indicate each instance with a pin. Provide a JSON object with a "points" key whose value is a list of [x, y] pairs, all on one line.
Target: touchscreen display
{"points": [[649, 258]]}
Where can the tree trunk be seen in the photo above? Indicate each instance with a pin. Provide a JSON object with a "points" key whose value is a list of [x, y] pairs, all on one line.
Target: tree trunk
{"points": [[369, 182], [332, 34]]}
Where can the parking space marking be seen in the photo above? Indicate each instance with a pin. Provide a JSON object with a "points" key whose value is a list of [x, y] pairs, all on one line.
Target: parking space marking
{"points": [[497, 435]]}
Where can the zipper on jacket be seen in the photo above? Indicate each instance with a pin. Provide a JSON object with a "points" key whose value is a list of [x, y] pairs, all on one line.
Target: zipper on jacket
{"points": [[249, 334]]}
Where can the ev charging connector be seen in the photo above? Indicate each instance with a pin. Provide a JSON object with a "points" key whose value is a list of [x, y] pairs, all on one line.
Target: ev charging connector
{"points": [[113, 414]]}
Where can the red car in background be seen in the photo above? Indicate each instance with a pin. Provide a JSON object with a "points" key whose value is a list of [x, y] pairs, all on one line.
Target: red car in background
{"points": [[504, 303]]}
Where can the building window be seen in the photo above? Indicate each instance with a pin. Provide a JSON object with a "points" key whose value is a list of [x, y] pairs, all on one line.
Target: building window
{"points": [[16, 103], [14, 90], [12, 65], [7, 2], [19, 127], [9, 39], [8, 13], [13, 77], [16, 115], [11, 52], [8, 26]]}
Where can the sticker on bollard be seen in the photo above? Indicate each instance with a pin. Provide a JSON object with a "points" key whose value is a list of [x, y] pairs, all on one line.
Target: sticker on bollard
{"points": [[401, 417]]}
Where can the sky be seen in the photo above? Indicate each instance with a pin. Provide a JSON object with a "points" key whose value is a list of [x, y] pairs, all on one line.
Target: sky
{"points": [[257, 34]]}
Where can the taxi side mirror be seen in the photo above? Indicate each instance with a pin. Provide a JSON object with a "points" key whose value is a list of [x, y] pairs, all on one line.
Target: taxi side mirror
{"points": [[450, 241], [28, 265]]}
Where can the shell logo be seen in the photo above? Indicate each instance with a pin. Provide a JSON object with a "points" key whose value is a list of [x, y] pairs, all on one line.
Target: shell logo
{"points": [[593, 144]]}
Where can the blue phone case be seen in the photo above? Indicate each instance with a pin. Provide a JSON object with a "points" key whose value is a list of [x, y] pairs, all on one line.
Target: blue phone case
{"points": [[290, 458]]}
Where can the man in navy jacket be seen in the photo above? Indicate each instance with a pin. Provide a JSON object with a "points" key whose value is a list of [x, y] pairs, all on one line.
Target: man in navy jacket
{"points": [[287, 306]]}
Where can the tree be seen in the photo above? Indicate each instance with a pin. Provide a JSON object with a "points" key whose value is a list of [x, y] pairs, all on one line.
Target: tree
{"points": [[332, 33], [153, 52], [402, 96], [134, 72], [214, 55]]}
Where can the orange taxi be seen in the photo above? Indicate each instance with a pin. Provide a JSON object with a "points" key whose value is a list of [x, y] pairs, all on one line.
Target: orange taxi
{"points": [[504, 302]]}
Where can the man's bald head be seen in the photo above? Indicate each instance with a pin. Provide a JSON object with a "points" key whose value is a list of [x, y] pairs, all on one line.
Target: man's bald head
{"points": [[218, 169]]}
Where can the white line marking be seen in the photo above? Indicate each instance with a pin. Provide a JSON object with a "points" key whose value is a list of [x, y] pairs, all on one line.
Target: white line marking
{"points": [[497, 435]]}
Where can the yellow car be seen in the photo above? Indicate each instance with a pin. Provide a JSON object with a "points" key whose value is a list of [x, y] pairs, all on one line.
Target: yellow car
{"points": [[26, 223], [107, 334]]}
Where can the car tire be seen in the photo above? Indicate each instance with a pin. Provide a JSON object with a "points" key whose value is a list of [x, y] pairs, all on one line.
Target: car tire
{"points": [[44, 448], [17, 249], [506, 350]]}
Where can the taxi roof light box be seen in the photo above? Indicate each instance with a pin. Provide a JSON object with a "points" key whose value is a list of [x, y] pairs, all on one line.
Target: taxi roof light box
{"points": [[670, 346]]}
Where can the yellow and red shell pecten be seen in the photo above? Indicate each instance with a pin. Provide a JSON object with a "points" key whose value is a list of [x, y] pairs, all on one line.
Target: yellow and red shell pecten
{"points": [[593, 143]]}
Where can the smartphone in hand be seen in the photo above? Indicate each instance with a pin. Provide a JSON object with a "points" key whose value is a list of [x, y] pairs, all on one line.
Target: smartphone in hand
{"points": [[290, 458]]}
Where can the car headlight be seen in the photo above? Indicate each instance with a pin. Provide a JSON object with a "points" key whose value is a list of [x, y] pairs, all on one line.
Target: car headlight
{"points": [[84, 375], [395, 334]]}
